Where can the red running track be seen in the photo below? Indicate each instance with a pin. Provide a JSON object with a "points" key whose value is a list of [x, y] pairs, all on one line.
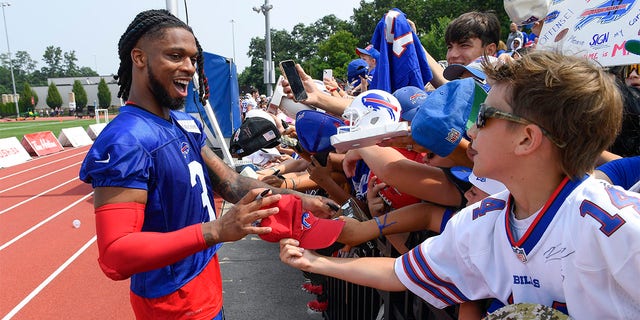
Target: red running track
{"points": [[48, 268]]}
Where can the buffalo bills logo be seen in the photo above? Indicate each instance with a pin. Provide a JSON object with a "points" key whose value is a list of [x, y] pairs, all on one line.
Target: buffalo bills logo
{"points": [[306, 224], [184, 148], [376, 102], [417, 97], [607, 12]]}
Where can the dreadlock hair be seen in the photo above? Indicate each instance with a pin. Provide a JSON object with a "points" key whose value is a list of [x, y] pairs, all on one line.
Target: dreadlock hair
{"points": [[151, 23]]}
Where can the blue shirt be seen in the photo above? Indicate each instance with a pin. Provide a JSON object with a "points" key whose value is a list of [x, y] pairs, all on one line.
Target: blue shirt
{"points": [[143, 151]]}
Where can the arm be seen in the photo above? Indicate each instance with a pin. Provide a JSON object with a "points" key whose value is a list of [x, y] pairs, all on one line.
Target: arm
{"points": [[419, 180], [232, 186], [124, 249], [331, 104], [371, 272]]}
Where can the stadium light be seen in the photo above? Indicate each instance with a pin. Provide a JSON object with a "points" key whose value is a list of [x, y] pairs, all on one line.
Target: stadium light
{"points": [[13, 80], [269, 72]]}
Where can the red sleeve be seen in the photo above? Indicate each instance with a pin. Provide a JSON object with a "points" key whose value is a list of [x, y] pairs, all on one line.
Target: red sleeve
{"points": [[124, 249]]}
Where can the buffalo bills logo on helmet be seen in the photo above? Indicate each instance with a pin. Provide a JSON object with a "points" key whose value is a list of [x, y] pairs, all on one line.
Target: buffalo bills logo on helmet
{"points": [[376, 102], [607, 12], [184, 148]]}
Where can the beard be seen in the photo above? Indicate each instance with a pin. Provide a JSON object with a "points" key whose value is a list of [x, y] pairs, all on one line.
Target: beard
{"points": [[161, 94]]}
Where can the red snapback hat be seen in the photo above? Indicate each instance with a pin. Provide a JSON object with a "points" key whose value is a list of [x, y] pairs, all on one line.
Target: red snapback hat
{"points": [[294, 222]]}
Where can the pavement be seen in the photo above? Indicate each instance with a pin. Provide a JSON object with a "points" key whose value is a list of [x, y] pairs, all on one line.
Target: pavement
{"points": [[257, 285]]}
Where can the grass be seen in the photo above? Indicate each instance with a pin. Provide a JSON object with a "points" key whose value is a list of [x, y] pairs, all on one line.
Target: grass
{"points": [[19, 128]]}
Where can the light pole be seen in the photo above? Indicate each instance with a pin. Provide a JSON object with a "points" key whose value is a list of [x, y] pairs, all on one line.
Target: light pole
{"points": [[269, 74], [13, 80], [233, 39]]}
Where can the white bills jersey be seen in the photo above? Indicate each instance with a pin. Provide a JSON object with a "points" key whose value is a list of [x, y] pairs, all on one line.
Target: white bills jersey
{"points": [[580, 255]]}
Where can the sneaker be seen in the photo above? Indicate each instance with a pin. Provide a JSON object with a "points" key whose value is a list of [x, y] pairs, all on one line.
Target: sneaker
{"points": [[317, 306], [312, 288]]}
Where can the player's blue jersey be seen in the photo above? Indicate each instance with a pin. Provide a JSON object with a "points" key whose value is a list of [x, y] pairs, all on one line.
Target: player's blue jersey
{"points": [[402, 61], [142, 151]]}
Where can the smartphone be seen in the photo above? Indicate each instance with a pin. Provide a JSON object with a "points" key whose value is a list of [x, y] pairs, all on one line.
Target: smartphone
{"points": [[288, 69], [327, 74]]}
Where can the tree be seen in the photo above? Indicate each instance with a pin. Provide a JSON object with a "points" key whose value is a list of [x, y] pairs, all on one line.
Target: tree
{"points": [[54, 99], [70, 66], [80, 94], [433, 40], [104, 95], [28, 98], [53, 59]]}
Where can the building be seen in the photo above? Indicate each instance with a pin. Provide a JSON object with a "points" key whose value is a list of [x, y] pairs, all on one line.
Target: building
{"points": [[65, 86]]}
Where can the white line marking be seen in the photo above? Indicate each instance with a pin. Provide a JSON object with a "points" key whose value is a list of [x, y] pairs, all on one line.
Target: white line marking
{"points": [[46, 282], [42, 165], [39, 224], [37, 195], [40, 177]]}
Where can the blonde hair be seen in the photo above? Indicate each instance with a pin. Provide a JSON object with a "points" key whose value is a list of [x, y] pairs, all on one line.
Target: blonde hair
{"points": [[572, 98]]}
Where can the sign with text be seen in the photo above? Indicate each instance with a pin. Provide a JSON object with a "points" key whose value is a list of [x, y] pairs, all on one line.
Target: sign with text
{"points": [[74, 137], [12, 152], [596, 29], [41, 143]]}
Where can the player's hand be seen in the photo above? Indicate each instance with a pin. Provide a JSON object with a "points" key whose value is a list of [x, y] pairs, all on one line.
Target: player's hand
{"points": [[239, 220], [294, 256]]}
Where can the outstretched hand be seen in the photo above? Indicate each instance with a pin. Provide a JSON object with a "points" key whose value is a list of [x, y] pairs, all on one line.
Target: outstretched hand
{"points": [[239, 221], [294, 256]]}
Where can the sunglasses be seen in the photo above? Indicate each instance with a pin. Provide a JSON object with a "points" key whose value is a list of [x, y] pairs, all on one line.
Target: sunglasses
{"points": [[487, 112], [630, 69]]}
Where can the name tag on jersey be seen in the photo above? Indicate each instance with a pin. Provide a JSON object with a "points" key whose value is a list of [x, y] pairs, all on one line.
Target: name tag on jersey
{"points": [[189, 125]]}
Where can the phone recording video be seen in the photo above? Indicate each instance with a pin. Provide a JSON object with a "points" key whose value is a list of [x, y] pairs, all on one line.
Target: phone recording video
{"points": [[288, 69]]}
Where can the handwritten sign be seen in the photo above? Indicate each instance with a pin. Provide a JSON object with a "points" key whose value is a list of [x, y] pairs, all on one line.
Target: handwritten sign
{"points": [[597, 29]]}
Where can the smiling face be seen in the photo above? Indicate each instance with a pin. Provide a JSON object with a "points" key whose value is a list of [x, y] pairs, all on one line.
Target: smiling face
{"points": [[169, 61], [467, 50]]}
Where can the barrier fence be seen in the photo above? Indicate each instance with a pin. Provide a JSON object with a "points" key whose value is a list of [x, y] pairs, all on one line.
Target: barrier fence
{"points": [[348, 301]]}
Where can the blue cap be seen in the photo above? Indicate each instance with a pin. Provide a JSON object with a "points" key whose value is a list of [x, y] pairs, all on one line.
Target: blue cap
{"points": [[315, 128], [446, 114], [355, 69], [369, 50], [410, 98]]}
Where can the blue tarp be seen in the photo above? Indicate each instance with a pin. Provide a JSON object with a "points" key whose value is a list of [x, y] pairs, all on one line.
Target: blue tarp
{"points": [[224, 92]]}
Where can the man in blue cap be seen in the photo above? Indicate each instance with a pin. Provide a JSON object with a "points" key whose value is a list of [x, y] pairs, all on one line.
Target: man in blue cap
{"points": [[370, 55]]}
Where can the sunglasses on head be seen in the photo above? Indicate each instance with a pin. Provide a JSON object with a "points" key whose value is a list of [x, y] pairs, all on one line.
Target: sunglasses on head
{"points": [[487, 112], [630, 69]]}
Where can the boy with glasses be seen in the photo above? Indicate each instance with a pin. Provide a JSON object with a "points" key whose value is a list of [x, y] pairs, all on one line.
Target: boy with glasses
{"points": [[557, 237]]}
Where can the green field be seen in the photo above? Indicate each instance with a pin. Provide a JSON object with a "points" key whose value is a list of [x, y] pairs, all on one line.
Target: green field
{"points": [[20, 128]]}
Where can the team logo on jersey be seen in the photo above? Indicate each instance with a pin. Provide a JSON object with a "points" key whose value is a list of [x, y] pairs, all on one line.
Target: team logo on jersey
{"points": [[607, 12], [184, 148], [520, 253]]}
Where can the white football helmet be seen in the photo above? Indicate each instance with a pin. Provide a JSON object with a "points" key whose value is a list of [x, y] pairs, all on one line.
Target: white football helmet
{"points": [[371, 108]]}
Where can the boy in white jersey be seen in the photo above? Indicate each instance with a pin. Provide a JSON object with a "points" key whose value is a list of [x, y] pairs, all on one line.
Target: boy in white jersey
{"points": [[556, 237]]}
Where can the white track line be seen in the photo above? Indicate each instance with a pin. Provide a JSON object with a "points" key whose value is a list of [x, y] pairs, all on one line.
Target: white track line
{"points": [[40, 177], [42, 165], [39, 224], [37, 195], [46, 282]]}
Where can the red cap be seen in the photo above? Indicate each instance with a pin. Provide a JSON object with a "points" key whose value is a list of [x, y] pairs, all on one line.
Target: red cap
{"points": [[293, 222]]}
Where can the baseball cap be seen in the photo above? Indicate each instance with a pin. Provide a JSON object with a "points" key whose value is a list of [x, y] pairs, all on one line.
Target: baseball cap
{"points": [[454, 71], [315, 128], [257, 131], [487, 185], [369, 50], [355, 69], [410, 98], [294, 222], [446, 114], [524, 12]]}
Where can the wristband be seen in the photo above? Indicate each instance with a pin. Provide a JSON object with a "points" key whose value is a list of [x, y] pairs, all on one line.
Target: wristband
{"points": [[383, 224], [333, 89]]}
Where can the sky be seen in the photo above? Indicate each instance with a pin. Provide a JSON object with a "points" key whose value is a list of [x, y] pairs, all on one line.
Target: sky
{"points": [[92, 28]]}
